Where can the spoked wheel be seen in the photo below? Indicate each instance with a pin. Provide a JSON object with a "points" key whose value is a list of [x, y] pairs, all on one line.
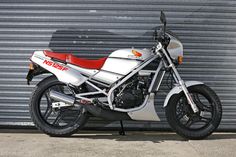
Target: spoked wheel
{"points": [[192, 125], [62, 121]]}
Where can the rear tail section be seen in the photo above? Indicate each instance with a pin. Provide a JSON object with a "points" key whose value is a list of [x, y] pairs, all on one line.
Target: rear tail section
{"points": [[59, 68]]}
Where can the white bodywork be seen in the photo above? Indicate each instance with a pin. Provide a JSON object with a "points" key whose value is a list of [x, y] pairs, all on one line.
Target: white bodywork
{"points": [[68, 75], [87, 72], [119, 63], [147, 112], [127, 53], [107, 77], [178, 89]]}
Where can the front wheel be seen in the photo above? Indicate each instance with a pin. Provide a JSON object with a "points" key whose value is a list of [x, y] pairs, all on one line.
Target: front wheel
{"points": [[188, 124]]}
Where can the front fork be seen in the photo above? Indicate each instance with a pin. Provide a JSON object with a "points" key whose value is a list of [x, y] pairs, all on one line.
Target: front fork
{"points": [[180, 82]]}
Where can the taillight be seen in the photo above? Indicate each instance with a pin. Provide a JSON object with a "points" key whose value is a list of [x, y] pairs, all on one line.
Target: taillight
{"points": [[31, 66]]}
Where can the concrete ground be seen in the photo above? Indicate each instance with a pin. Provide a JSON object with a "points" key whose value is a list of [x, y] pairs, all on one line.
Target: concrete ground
{"points": [[110, 144]]}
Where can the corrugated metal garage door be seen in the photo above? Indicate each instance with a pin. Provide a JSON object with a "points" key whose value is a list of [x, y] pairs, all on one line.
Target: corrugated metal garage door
{"points": [[206, 27]]}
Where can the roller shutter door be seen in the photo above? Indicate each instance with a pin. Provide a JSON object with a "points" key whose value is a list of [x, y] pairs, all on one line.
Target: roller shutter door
{"points": [[94, 28]]}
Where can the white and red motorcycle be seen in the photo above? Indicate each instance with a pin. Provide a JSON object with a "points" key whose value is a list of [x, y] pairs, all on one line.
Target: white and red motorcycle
{"points": [[119, 88]]}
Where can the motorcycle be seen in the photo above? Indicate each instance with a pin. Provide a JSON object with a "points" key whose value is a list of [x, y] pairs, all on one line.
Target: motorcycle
{"points": [[119, 88]]}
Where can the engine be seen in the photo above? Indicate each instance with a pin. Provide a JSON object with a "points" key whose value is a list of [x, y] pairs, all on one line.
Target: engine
{"points": [[132, 93]]}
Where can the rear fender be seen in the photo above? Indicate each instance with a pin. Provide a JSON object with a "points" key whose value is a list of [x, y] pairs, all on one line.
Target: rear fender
{"points": [[63, 72], [178, 89], [34, 72]]}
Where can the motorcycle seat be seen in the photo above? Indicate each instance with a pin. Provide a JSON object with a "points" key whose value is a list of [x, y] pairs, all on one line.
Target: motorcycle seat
{"points": [[81, 62]]}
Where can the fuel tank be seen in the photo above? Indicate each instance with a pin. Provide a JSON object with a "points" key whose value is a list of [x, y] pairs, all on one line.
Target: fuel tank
{"points": [[120, 62]]}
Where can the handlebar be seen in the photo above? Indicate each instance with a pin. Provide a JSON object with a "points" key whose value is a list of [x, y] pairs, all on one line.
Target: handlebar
{"points": [[161, 36]]}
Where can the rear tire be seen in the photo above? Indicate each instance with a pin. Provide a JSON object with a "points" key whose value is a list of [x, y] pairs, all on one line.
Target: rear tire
{"points": [[187, 130], [41, 122]]}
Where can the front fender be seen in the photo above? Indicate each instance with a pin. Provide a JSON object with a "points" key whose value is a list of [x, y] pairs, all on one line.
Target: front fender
{"points": [[178, 89]]}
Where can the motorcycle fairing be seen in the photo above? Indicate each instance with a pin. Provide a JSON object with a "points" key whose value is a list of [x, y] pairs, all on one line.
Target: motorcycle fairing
{"points": [[147, 112], [63, 72]]}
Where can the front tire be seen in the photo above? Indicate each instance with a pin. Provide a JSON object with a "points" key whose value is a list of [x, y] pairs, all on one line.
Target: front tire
{"points": [[46, 118], [194, 125]]}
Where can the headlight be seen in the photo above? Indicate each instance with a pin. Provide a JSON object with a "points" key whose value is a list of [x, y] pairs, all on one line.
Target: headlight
{"points": [[175, 49]]}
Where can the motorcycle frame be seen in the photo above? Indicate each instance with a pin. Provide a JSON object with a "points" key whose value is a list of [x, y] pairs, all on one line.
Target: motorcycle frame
{"points": [[109, 95], [165, 62]]}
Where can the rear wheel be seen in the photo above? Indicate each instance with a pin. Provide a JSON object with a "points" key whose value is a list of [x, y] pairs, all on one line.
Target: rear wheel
{"points": [[192, 125], [54, 121]]}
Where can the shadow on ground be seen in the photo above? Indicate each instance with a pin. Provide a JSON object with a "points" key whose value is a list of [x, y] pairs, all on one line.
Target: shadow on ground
{"points": [[133, 136]]}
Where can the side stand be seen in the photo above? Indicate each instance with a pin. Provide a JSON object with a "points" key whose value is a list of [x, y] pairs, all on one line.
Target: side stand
{"points": [[122, 131]]}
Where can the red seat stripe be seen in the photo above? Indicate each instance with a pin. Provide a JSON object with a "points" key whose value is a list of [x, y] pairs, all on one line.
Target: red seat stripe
{"points": [[60, 56], [87, 63], [83, 63]]}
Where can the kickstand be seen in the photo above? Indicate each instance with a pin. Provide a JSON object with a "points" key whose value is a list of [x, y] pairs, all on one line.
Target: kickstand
{"points": [[122, 131]]}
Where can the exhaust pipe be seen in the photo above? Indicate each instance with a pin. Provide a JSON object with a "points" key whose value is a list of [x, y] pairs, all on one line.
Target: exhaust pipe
{"points": [[62, 97], [94, 110]]}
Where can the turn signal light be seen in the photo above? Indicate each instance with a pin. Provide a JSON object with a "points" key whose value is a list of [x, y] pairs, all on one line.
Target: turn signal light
{"points": [[136, 53], [180, 59], [31, 66]]}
